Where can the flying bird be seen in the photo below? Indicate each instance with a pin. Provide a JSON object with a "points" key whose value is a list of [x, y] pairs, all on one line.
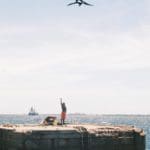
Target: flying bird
{"points": [[80, 2]]}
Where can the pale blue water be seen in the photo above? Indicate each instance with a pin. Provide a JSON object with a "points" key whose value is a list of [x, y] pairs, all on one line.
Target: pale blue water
{"points": [[141, 121]]}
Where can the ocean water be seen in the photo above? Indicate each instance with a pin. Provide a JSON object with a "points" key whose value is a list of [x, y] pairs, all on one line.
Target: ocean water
{"points": [[141, 121]]}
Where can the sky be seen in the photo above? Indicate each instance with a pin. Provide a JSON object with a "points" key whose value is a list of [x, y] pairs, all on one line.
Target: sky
{"points": [[95, 58]]}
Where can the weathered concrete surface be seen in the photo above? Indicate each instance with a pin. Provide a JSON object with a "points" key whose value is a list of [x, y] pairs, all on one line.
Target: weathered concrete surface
{"points": [[71, 137]]}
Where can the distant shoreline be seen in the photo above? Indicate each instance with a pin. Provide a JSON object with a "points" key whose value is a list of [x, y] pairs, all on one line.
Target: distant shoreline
{"points": [[82, 114]]}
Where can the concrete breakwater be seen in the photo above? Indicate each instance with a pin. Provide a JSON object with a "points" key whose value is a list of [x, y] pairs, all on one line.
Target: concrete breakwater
{"points": [[71, 137]]}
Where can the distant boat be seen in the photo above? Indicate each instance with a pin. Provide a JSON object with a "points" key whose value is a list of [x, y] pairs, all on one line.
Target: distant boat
{"points": [[32, 112]]}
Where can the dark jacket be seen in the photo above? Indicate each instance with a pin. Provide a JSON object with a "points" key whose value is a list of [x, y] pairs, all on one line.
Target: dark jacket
{"points": [[63, 107]]}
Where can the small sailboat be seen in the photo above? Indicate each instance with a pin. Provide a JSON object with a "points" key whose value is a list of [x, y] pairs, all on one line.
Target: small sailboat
{"points": [[32, 112]]}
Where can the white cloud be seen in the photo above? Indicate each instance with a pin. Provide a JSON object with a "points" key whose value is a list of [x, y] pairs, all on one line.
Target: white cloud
{"points": [[97, 60]]}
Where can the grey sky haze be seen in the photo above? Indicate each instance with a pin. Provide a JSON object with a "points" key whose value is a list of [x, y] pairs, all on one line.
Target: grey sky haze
{"points": [[96, 58]]}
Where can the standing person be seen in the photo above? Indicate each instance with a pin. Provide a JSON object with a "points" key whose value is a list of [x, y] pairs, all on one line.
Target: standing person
{"points": [[63, 113]]}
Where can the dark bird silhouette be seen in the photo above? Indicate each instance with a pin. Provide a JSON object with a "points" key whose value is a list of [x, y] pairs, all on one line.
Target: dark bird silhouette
{"points": [[80, 2]]}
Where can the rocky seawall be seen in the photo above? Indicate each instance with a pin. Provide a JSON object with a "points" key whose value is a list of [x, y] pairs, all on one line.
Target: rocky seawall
{"points": [[71, 137]]}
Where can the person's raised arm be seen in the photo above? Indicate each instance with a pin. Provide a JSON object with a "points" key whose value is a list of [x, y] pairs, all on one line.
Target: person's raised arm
{"points": [[61, 101]]}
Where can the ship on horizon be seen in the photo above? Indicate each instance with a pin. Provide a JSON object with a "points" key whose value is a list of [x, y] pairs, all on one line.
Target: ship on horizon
{"points": [[32, 112]]}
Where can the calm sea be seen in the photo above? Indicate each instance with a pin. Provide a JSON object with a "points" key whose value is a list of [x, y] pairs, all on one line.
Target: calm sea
{"points": [[141, 121]]}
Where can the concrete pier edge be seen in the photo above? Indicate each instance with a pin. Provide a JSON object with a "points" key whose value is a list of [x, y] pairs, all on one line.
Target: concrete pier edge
{"points": [[71, 137]]}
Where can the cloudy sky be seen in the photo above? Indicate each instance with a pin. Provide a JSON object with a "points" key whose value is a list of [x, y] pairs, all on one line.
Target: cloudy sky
{"points": [[96, 58]]}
